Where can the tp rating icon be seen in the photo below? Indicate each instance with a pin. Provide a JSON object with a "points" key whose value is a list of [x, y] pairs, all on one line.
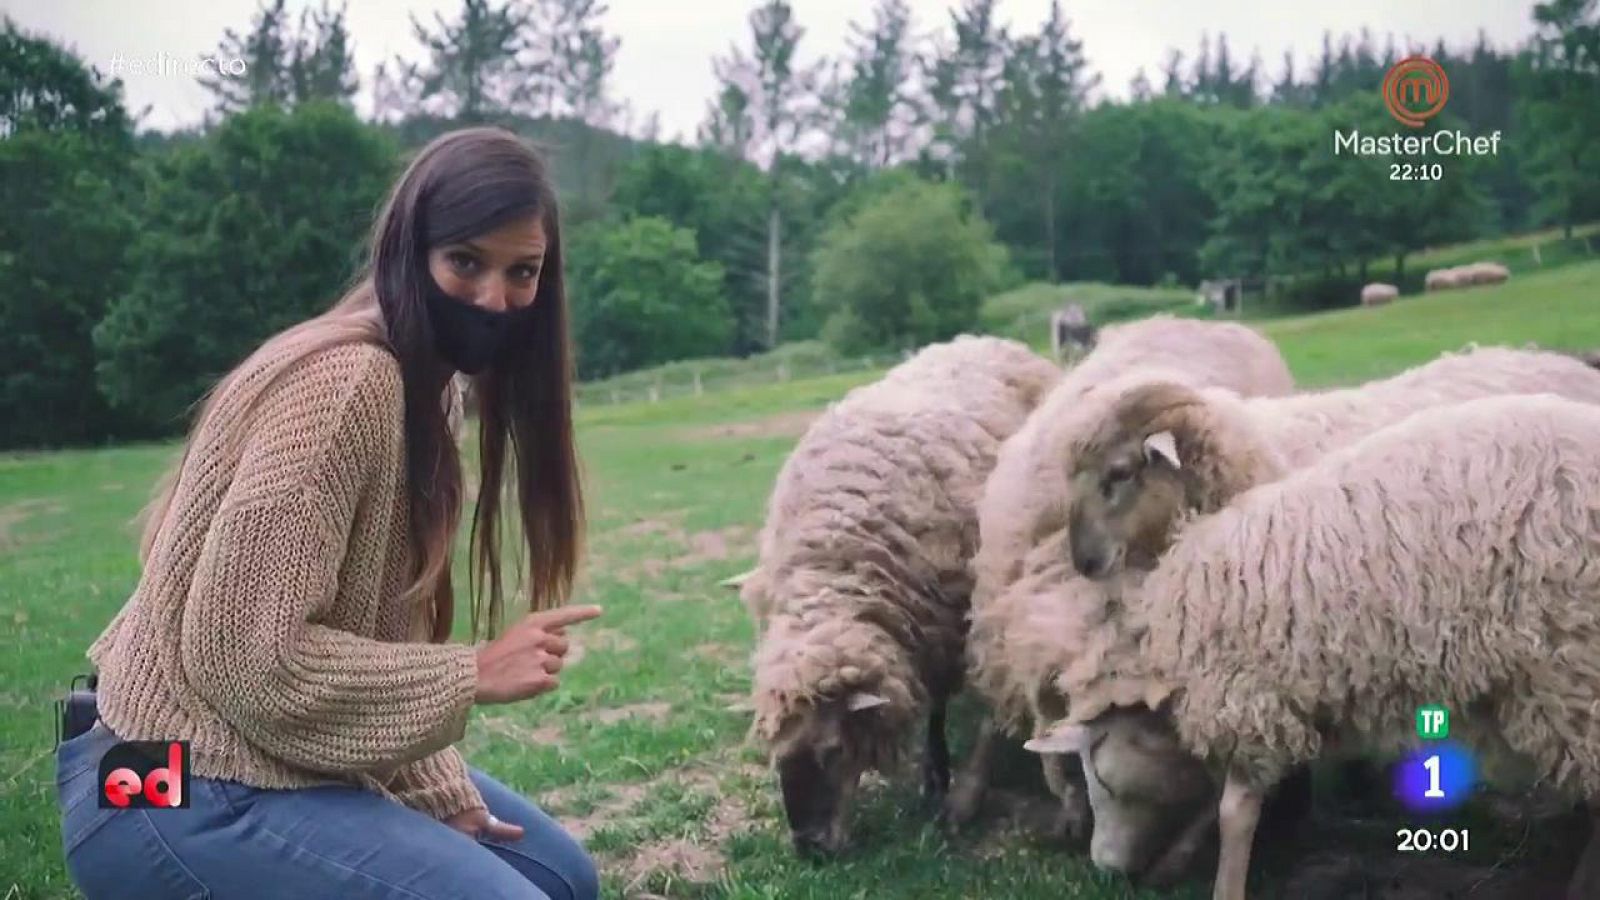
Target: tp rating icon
{"points": [[1433, 723]]}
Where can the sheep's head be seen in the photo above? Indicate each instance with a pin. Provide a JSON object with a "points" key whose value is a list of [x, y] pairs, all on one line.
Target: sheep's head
{"points": [[820, 753], [1128, 486], [1144, 788], [833, 699], [1163, 451]]}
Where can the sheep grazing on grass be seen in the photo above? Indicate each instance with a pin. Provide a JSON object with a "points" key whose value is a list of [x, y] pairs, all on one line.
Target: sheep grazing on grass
{"points": [[1165, 450], [1486, 273], [1440, 280], [1468, 275], [1377, 294], [1022, 586], [1449, 558], [861, 588]]}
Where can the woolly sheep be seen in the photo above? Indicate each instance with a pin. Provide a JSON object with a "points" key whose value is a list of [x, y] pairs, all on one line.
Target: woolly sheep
{"points": [[862, 580], [1466, 276], [1446, 559], [1377, 294], [1164, 450], [1487, 273], [1022, 588]]}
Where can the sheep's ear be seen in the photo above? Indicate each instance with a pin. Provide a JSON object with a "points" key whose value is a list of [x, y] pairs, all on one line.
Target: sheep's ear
{"points": [[1162, 445], [1061, 739], [861, 700], [737, 581]]}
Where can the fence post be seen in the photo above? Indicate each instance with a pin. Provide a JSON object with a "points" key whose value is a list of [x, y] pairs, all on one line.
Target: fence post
{"points": [[783, 371], [698, 390], [1536, 260], [614, 399], [655, 390]]}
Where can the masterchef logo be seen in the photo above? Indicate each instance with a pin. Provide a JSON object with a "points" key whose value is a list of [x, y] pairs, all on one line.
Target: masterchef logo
{"points": [[1415, 90]]}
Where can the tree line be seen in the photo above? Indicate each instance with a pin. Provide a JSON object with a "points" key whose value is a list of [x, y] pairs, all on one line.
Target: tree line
{"points": [[871, 198]]}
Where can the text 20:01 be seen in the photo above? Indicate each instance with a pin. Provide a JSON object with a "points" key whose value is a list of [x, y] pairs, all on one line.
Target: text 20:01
{"points": [[1422, 840], [1416, 172]]}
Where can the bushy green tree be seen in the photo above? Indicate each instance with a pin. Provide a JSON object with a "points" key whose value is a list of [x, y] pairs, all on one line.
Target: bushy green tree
{"points": [[65, 149], [243, 234], [911, 267], [641, 295], [1560, 78]]}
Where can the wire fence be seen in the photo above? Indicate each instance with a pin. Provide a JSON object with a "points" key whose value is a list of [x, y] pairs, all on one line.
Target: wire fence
{"points": [[698, 382]]}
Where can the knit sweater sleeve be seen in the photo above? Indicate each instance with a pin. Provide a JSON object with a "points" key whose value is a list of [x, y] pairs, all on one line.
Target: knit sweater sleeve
{"points": [[319, 697], [438, 785]]}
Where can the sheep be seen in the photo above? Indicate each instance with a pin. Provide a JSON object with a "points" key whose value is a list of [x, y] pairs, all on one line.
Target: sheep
{"points": [[1486, 273], [861, 587], [1377, 294], [1071, 333], [1020, 572], [1165, 450], [1446, 559], [1466, 276]]}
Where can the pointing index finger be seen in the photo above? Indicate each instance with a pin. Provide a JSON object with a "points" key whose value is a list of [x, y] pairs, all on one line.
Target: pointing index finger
{"points": [[566, 615]]}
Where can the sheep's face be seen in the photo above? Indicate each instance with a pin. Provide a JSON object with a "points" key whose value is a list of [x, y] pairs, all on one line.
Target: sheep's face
{"points": [[820, 754], [1124, 503], [1143, 787]]}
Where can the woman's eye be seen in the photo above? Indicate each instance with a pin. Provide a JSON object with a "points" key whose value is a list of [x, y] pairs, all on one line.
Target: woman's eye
{"points": [[462, 262], [525, 273]]}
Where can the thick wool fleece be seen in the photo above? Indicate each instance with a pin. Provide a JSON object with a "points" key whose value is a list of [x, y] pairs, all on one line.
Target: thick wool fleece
{"points": [[1300, 429], [863, 565], [1447, 559], [1024, 584]]}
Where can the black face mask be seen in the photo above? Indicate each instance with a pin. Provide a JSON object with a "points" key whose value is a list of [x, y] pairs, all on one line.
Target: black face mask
{"points": [[469, 337]]}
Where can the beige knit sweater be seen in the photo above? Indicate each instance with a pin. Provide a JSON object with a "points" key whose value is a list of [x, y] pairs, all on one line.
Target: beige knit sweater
{"points": [[267, 627]]}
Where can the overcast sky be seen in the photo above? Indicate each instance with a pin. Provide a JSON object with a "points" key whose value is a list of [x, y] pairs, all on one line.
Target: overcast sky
{"points": [[664, 64]]}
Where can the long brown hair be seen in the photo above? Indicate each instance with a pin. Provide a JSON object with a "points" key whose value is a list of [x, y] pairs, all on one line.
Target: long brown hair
{"points": [[461, 185]]}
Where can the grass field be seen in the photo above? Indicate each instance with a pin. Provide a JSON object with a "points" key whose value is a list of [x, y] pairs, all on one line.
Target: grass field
{"points": [[642, 751]]}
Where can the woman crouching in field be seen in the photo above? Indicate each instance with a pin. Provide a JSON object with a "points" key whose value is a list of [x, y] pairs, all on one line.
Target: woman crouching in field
{"points": [[292, 616]]}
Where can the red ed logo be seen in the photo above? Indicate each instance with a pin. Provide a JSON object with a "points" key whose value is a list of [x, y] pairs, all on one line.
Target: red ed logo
{"points": [[145, 775], [1415, 90]]}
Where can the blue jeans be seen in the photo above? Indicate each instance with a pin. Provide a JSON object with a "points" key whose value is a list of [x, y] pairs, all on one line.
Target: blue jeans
{"points": [[334, 841]]}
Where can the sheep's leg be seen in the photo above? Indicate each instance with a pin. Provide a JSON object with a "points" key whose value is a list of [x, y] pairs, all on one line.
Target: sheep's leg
{"points": [[972, 782], [1585, 881], [936, 757], [1240, 811]]}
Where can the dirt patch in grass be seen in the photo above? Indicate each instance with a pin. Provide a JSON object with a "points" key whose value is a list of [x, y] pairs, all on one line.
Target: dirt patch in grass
{"points": [[666, 524], [740, 703], [697, 858], [603, 640], [14, 514], [726, 654], [712, 546], [551, 735], [711, 778], [655, 711], [790, 424], [624, 797]]}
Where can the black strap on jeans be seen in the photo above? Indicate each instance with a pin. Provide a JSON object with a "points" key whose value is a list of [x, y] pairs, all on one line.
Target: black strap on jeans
{"points": [[78, 712]]}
